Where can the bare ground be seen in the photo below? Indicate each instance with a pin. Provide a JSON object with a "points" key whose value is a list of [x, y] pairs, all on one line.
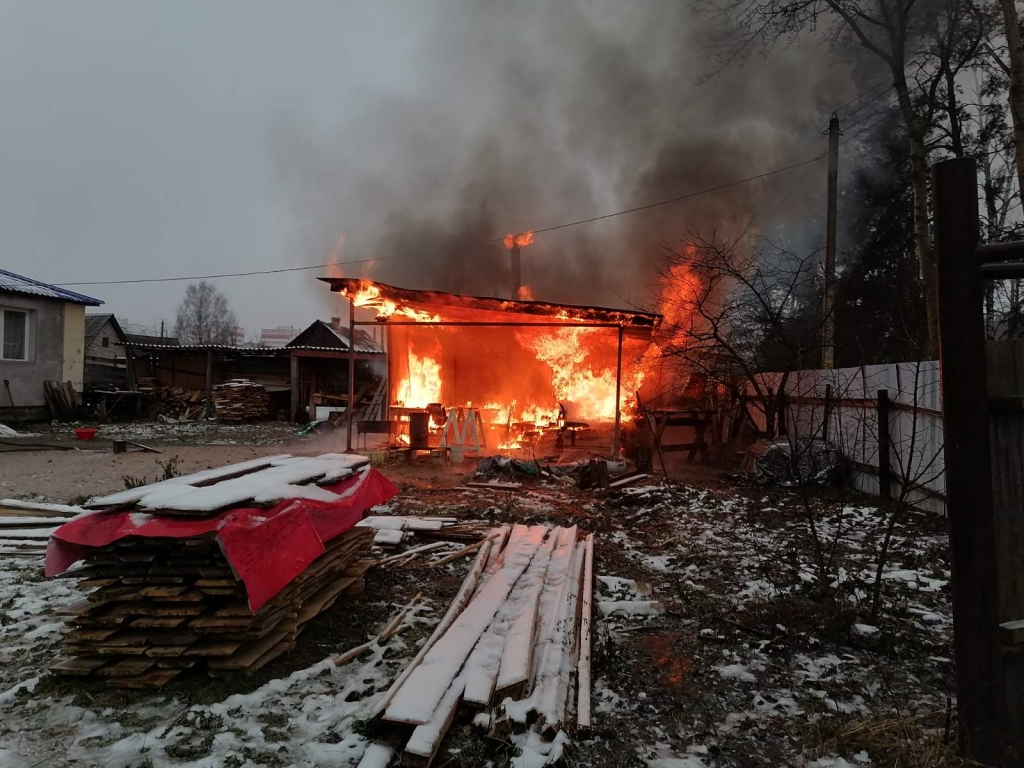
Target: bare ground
{"points": [[756, 661]]}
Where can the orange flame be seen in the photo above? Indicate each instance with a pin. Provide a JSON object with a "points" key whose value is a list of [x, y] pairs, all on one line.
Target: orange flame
{"points": [[423, 385], [526, 238], [368, 295]]}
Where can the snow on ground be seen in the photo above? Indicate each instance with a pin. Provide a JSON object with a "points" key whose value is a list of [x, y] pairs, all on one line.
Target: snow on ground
{"points": [[305, 719], [193, 432]]}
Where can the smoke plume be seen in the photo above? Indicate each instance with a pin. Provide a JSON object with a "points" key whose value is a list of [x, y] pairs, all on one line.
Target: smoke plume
{"points": [[527, 115]]}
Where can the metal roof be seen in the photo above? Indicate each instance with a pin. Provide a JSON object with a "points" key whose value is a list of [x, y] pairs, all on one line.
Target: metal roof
{"points": [[365, 343], [269, 351], [12, 283]]}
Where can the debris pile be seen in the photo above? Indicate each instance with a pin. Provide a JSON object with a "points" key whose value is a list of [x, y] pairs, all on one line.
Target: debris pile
{"points": [[183, 576], [512, 647], [241, 400]]}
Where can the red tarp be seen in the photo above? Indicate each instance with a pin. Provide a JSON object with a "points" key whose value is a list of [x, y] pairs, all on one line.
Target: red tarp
{"points": [[267, 548]]}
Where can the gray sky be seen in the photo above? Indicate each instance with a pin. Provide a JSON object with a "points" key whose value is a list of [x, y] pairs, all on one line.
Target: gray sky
{"points": [[186, 138]]}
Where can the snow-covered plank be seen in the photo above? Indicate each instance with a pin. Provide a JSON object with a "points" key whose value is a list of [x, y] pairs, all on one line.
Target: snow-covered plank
{"points": [[586, 618], [404, 523], [462, 597], [426, 738], [24, 521], [389, 537], [416, 701], [555, 687], [517, 654], [17, 507], [265, 483], [292, 491], [376, 756], [132, 495]]}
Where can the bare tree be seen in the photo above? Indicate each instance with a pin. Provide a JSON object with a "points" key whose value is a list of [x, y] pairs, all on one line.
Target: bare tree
{"points": [[204, 316], [1014, 71], [923, 45]]}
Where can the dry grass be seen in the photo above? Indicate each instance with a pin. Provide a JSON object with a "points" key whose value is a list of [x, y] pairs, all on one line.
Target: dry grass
{"points": [[922, 741]]}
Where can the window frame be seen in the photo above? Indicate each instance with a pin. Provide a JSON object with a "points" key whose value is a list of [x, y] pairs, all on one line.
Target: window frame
{"points": [[27, 337]]}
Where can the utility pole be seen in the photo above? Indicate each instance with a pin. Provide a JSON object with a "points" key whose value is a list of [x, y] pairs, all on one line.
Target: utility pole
{"points": [[828, 299]]}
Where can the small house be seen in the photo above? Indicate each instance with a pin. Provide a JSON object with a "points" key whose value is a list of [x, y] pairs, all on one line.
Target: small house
{"points": [[42, 328]]}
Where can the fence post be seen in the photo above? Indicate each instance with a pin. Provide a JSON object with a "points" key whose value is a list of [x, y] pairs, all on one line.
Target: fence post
{"points": [[884, 465], [826, 412], [980, 684]]}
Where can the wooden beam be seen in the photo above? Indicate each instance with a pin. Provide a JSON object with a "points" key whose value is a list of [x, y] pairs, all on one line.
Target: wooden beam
{"points": [[981, 702], [884, 462], [618, 391], [209, 384], [295, 387]]}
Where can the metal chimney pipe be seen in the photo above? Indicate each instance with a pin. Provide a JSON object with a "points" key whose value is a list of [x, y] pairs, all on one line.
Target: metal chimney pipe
{"points": [[517, 271]]}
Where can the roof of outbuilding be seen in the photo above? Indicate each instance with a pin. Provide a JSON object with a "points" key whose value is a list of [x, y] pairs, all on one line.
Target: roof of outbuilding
{"points": [[12, 283]]}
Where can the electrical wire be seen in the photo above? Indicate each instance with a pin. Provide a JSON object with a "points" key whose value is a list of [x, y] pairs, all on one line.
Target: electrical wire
{"points": [[226, 274]]}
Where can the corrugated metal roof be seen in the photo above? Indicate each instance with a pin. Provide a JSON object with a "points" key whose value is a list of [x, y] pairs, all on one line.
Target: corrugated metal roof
{"points": [[272, 351], [13, 283], [364, 342], [93, 325]]}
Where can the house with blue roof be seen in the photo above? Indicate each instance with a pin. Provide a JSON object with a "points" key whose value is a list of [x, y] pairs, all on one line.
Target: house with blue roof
{"points": [[42, 337]]}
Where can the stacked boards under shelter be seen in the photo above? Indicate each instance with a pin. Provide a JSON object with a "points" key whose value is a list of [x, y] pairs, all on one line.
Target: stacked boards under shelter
{"points": [[219, 570]]}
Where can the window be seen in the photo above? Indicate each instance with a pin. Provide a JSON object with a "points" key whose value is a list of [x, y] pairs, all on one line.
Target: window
{"points": [[106, 341], [15, 335]]}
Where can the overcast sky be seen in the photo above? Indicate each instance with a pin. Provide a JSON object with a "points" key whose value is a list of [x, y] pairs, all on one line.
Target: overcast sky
{"points": [[187, 138]]}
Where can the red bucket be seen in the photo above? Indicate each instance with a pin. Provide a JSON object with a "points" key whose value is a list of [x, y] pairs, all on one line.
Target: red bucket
{"points": [[86, 433]]}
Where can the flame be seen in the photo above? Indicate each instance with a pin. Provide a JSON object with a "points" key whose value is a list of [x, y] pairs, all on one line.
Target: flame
{"points": [[525, 293], [368, 295], [526, 238], [423, 385]]}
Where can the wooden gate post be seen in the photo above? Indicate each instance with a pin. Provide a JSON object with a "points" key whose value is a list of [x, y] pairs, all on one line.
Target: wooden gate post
{"points": [[884, 462], [981, 701]]}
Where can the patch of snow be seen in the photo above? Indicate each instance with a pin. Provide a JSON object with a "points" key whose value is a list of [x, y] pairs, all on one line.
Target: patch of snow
{"points": [[865, 630], [736, 671], [630, 607], [535, 752]]}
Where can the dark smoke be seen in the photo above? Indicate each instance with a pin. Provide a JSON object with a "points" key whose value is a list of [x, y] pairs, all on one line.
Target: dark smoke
{"points": [[526, 115]]}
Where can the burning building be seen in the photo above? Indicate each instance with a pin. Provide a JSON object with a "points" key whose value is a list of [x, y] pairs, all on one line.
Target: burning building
{"points": [[530, 368]]}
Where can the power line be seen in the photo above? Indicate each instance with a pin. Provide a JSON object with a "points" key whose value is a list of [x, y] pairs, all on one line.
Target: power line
{"points": [[859, 96], [226, 274], [671, 200]]}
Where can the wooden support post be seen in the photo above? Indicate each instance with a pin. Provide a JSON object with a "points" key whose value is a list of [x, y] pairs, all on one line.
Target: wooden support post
{"points": [[209, 383], [129, 368], [827, 412], [980, 689], [884, 465], [618, 405], [390, 365], [311, 405], [295, 387], [351, 407]]}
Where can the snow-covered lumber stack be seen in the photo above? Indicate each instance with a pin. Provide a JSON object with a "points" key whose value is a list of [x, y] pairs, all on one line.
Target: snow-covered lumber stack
{"points": [[219, 570], [393, 530], [509, 647], [240, 400]]}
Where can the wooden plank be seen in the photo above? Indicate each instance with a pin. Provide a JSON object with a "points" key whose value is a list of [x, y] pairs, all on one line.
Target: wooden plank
{"points": [[79, 665], [126, 668], [246, 655], [152, 679], [213, 648]]}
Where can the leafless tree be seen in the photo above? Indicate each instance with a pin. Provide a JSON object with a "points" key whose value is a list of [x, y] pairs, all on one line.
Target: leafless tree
{"points": [[923, 45], [204, 317]]}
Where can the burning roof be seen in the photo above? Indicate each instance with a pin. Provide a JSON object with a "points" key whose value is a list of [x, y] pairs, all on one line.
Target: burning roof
{"points": [[427, 306]]}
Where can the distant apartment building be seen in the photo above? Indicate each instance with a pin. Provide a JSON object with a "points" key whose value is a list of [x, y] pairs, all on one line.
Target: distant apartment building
{"points": [[237, 336], [277, 337]]}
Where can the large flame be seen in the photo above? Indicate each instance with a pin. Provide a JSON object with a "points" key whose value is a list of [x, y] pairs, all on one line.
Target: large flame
{"points": [[423, 384]]}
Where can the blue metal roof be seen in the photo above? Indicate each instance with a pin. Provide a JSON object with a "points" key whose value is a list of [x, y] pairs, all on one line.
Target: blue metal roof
{"points": [[10, 282]]}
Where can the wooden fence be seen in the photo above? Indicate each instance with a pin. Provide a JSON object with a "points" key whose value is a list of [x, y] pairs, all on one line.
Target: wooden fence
{"points": [[885, 419]]}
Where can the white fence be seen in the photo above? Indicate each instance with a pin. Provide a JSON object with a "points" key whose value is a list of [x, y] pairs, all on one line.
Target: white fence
{"points": [[844, 403]]}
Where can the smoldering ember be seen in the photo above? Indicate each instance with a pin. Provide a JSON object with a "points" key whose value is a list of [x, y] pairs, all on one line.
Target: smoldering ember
{"points": [[512, 385]]}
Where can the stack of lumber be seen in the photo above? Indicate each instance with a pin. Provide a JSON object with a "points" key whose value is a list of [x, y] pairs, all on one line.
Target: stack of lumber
{"points": [[164, 603], [176, 403], [241, 400], [511, 647], [25, 526], [161, 606], [394, 530], [61, 399]]}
